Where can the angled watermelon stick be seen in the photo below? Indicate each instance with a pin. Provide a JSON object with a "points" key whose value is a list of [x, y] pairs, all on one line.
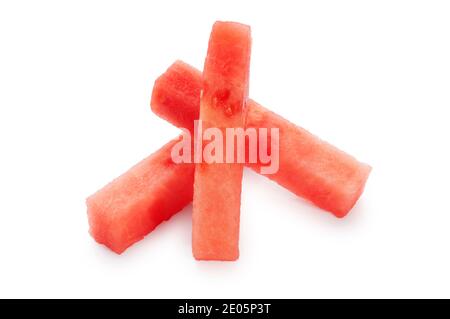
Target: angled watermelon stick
{"points": [[217, 186], [308, 166], [132, 205]]}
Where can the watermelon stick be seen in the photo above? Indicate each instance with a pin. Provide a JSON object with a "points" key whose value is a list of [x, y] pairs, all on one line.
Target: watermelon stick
{"points": [[132, 205], [309, 167], [217, 185]]}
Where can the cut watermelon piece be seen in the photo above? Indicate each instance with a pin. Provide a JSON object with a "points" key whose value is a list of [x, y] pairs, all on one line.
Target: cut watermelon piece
{"points": [[309, 167], [132, 205], [217, 186]]}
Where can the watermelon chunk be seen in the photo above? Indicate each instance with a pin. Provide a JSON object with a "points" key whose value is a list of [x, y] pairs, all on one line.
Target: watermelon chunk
{"points": [[308, 167], [217, 186], [132, 205]]}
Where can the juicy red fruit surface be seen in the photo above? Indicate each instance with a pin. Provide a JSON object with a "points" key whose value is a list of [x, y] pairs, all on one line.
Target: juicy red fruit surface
{"points": [[309, 167], [217, 187], [132, 205]]}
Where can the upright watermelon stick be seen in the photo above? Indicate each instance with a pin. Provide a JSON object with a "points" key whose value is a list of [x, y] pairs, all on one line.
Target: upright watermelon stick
{"points": [[217, 186]]}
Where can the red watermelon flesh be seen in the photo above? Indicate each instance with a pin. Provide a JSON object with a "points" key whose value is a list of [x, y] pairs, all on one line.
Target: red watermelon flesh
{"points": [[176, 95], [309, 167], [217, 186], [132, 205]]}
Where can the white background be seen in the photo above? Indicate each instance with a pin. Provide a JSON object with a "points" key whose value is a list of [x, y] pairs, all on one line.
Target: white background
{"points": [[371, 77]]}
